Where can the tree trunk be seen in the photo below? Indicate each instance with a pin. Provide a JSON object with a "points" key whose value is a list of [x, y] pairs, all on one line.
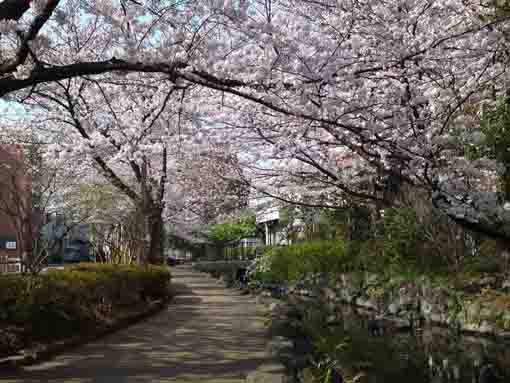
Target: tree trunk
{"points": [[155, 251], [506, 184], [503, 253]]}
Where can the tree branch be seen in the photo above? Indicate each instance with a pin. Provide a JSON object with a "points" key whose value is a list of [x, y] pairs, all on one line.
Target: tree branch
{"points": [[32, 33], [13, 9], [57, 73]]}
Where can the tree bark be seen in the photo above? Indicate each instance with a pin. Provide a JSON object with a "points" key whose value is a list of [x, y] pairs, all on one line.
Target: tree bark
{"points": [[53, 74], [13, 9], [503, 253], [154, 217]]}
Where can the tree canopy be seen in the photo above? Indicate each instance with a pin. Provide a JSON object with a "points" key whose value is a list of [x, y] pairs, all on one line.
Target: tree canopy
{"points": [[232, 230], [312, 102]]}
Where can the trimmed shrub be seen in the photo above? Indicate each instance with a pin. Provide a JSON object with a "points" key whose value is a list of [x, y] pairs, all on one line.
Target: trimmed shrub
{"points": [[61, 303], [149, 282]]}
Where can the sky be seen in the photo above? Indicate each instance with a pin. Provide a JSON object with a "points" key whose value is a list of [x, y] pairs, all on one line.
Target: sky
{"points": [[10, 109]]}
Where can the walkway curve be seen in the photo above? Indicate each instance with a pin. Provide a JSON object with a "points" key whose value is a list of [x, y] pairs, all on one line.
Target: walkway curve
{"points": [[209, 334]]}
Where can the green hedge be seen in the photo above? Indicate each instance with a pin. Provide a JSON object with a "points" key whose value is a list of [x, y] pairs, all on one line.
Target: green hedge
{"points": [[61, 303]]}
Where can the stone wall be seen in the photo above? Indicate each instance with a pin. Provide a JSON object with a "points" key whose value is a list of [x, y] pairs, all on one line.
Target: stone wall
{"points": [[479, 305]]}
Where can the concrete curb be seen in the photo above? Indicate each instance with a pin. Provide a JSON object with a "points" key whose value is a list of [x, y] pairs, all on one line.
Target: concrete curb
{"points": [[49, 351]]}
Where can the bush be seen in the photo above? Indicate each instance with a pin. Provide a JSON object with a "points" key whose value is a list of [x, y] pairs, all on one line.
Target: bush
{"points": [[240, 253], [384, 255], [402, 244], [478, 265], [13, 296], [290, 263], [61, 303], [146, 281], [400, 234]]}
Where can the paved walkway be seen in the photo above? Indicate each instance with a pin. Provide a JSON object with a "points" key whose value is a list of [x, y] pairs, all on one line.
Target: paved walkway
{"points": [[208, 334]]}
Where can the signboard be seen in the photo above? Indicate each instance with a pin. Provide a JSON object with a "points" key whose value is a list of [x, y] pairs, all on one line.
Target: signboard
{"points": [[10, 245]]}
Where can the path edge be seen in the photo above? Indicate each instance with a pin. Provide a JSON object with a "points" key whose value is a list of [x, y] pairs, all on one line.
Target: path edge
{"points": [[49, 351]]}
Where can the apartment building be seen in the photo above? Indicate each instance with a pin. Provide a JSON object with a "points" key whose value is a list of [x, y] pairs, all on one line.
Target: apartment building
{"points": [[15, 208]]}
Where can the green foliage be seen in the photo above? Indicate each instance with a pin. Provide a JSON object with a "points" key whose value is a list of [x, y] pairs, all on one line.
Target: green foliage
{"points": [[351, 222], [13, 291], [149, 281], [327, 340], [62, 303], [496, 140], [496, 127], [233, 231], [234, 253], [220, 267], [398, 247], [290, 263], [480, 265], [288, 214], [399, 235]]}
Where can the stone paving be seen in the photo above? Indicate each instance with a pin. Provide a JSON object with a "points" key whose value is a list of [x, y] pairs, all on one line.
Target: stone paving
{"points": [[208, 334]]}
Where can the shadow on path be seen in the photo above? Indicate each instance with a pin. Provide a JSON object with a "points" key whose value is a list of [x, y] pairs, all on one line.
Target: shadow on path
{"points": [[207, 334]]}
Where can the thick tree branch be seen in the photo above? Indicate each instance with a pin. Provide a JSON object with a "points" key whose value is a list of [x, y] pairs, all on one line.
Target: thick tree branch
{"points": [[469, 214], [24, 50], [57, 73], [13, 9]]}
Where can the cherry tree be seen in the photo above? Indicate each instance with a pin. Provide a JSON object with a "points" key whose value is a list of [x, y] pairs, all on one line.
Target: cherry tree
{"points": [[143, 140], [401, 86], [44, 41], [127, 134], [205, 187], [209, 175]]}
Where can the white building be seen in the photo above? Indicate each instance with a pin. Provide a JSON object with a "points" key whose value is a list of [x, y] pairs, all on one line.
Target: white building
{"points": [[268, 217]]}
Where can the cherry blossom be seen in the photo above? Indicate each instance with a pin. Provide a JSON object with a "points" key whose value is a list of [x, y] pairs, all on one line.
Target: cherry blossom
{"points": [[321, 99]]}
